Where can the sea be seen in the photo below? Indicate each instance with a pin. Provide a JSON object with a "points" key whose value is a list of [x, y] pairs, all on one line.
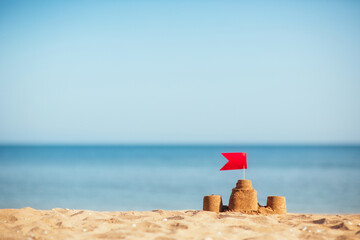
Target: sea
{"points": [[314, 179]]}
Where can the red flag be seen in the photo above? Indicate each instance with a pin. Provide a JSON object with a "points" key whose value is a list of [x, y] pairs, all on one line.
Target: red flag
{"points": [[235, 161]]}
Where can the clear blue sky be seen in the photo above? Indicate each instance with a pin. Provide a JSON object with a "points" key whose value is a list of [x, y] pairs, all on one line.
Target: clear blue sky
{"points": [[180, 72]]}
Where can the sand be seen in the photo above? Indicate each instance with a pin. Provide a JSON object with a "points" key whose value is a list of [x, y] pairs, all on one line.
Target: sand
{"points": [[28, 223]]}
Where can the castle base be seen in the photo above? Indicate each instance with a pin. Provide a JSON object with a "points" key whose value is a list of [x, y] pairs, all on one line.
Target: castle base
{"points": [[244, 199]]}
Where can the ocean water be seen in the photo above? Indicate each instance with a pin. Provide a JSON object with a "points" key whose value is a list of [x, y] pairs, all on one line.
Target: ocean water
{"points": [[314, 179]]}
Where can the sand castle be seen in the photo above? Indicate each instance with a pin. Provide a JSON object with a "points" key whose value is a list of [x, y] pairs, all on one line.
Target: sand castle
{"points": [[244, 199]]}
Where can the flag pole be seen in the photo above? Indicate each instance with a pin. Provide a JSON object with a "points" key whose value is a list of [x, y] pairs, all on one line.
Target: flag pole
{"points": [[244, 173]]}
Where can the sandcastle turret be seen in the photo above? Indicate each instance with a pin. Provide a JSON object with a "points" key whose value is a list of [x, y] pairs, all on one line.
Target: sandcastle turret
{"points": [[277, 204], [243, 197], [213, 203]]}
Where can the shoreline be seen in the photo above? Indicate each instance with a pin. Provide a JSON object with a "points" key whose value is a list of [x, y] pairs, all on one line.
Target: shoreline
{"points": [[28, 223]]}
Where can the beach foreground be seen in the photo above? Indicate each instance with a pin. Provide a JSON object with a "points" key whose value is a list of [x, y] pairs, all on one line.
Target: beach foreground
{"points": [[28, 223]]}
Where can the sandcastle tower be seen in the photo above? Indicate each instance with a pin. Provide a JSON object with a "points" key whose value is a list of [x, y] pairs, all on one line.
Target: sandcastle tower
{"points": [[213, 203], [243, 197], [277, 204]]}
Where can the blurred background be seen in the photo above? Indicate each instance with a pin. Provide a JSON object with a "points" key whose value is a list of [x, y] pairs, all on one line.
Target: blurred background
{"points": [[127, 105]]}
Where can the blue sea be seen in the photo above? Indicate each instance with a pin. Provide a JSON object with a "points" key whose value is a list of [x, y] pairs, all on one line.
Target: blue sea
{"points": [[314, 179]]}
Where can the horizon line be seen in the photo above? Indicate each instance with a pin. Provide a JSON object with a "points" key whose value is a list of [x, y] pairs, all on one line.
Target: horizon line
{"points": [[177, 144]]}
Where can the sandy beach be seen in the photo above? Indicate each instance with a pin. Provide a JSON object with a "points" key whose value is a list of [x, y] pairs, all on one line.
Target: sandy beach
{"points": [[28, 223]]}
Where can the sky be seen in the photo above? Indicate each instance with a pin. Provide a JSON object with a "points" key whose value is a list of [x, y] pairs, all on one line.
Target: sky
{"points": [[179, 72]]}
